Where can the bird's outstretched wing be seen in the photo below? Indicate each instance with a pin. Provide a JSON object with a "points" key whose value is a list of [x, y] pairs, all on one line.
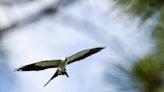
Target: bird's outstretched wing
{"points": [[40, 65], [83, 54]]}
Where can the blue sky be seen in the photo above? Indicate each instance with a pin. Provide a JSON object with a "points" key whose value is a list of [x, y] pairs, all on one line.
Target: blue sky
{"points": [[86, 24]]}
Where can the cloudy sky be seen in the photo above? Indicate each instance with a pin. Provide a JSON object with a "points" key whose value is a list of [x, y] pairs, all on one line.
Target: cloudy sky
{"points": [[85, 24]]}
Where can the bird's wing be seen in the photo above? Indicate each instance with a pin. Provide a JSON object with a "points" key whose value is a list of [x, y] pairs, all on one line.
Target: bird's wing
{"points": [[83, 54], [40, 65]]}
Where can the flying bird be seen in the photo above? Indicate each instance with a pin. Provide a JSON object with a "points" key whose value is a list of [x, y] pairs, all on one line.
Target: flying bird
{"points": [[60, 64]]}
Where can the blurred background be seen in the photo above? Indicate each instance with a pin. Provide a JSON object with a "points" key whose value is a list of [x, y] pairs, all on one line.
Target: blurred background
{"points": [[131, 31]]}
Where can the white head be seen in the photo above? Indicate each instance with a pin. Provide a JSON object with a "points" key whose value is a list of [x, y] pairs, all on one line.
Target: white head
{"points": [[63, 59]]}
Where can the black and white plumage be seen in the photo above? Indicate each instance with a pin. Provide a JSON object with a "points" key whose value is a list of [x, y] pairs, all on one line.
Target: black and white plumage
{"points": [[59, 64]]}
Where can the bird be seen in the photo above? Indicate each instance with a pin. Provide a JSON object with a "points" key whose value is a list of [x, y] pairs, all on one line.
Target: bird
{"points": [[60, 64]]}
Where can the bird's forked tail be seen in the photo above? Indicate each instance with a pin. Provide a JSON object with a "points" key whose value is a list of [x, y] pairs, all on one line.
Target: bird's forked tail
{"points": [[58, 72]]}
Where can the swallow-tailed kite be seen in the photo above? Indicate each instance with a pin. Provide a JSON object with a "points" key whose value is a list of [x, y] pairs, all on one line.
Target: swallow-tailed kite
{"points": [[59, 64]]}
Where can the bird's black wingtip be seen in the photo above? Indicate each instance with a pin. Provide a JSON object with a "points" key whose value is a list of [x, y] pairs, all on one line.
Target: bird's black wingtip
{"points": [[17, 69], [103, 47]]}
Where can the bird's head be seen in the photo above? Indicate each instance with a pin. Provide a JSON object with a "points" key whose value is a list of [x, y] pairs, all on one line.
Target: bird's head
{"points": [[63, 59]]}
